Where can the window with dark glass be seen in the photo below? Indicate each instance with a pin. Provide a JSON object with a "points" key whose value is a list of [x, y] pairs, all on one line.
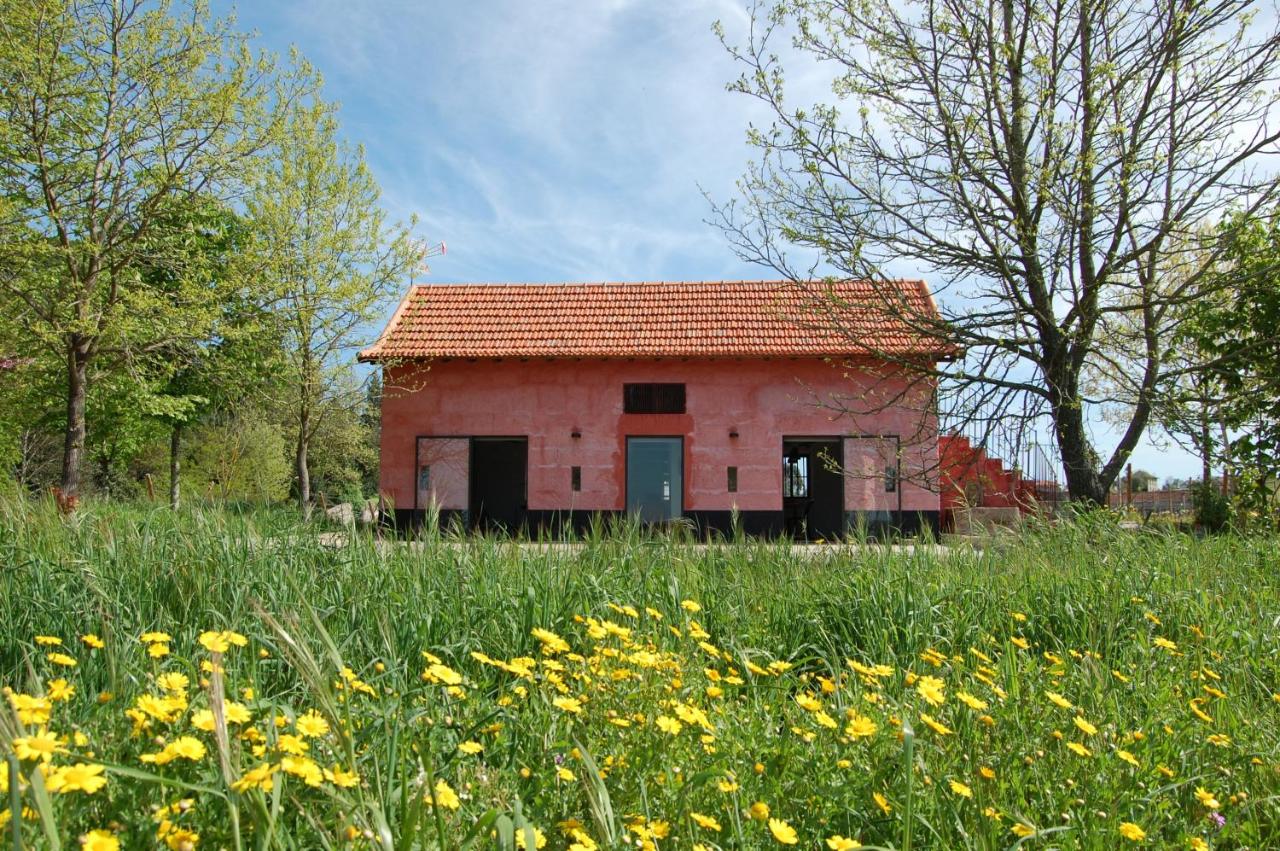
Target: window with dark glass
{"points": [[575, 478], [733, 480], [795, 475], [890, 479], [653, 398]]}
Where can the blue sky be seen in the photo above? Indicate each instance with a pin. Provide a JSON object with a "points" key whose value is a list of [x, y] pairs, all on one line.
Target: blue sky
{"points": [[557, 140]]}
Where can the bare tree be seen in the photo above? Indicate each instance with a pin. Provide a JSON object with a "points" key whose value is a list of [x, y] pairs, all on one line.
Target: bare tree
{"points": [[1041, 161]]}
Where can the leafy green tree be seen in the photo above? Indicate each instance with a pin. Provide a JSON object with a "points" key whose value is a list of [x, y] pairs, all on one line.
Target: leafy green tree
{"points": [[113, 115], [1241, 351], [1041, 162], [236, 366], [335, 262]]}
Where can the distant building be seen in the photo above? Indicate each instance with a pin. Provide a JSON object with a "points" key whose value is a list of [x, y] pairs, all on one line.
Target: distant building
{"points": [[535, 405]]}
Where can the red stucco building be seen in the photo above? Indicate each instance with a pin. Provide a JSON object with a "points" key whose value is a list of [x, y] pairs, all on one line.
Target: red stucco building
{"points": [[535, 405]]}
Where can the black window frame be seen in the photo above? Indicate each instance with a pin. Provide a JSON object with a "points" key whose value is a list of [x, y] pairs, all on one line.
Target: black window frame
{"points": [[654, 398]]}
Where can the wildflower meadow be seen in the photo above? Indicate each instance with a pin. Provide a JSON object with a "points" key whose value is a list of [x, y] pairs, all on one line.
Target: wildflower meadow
{"points": [[214, 680]]}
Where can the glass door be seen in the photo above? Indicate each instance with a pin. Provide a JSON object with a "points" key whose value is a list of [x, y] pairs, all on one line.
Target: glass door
{"points": [[655, 473]]}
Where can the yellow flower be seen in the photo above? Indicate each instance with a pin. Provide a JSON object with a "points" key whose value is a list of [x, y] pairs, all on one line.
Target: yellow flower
{"points": [[339, 776], [1161, 641], [568, 704], [668, 724], [92, 641], [705, 822], [759, 811], [690, 606], [842, 843], [1207, 799], [987, 773], [156, 651], [1020, 642], [727, 785], [99, 840], [539, 841], [860, 727], [1021, 829], [882, 803], [565, 774], [48, 640], [311, 725], [1078, 749], [31, 709], [1058, 699], [931, 689], [1128, 757], [1197, 844], [156, 638], [38, 747], [551, 643], [214, 642], [61, 690], [291, 744], [302, 767], [258, 777], [1085, 727], [61, 659], [937, 727], [961, 789], [1132, 832], [81, 777], [184, 747], [470, 748], [783, 832], [173, 681], [444, 796], [970, 701]]}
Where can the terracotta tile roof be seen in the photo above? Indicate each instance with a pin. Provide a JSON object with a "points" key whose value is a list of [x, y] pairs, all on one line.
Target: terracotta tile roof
{"points": [[656, 319]]}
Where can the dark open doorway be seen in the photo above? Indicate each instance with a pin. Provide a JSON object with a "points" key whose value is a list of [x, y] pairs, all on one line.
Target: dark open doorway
{"points": [[812, 491], [499, 483]]}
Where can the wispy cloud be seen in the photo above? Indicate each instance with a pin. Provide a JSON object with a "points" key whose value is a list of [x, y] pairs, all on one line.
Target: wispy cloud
{"points": [[551, 140]]}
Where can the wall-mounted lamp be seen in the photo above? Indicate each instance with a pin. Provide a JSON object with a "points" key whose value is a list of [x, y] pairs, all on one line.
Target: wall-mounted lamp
{"points": [[733, 434], [575, 434]]}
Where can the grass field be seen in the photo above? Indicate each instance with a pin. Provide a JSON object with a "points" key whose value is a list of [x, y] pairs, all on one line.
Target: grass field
{"points": [[1080, 687]]}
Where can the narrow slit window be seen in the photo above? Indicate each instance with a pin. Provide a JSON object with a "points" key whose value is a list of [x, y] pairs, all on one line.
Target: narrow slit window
{"points": [[575, 478], [653, 398], [733, 480], [890, 479]]}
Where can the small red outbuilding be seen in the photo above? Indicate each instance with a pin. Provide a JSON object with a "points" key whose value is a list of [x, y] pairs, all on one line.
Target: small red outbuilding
{"points": [[535, 405]]}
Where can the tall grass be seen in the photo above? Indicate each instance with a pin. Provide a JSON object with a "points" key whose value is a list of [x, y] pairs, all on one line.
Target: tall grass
{"points": [[124, 569], [319, 604]]}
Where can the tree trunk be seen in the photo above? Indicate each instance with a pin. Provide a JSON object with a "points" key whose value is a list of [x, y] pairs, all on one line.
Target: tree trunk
{"points": [[77, 390], [175, 463], [303, 471], [1079, 461]]}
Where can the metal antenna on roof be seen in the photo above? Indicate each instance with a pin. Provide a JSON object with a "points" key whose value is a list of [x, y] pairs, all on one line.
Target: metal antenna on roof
{"points": [[437, 250]]}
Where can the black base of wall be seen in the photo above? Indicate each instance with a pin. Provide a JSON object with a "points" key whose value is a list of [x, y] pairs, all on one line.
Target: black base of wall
{"points": [[706, 524]]}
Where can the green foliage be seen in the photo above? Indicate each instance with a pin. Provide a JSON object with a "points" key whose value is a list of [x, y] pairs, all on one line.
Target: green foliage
{"points": [[119, 122], [241, 456], [1242, 348], [1212, 506]]}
